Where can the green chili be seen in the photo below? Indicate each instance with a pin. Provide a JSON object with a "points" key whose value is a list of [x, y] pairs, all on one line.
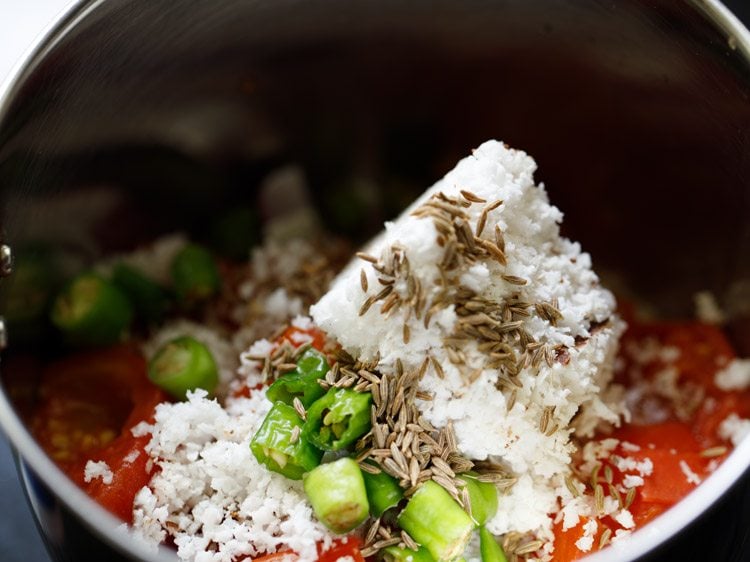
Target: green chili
{"points": [[396, 554], [279, 447], [195, 275], [337, 494], [149, 299], [383, 492], [91, 311], [236, 232], [301, 383], [183, 364], [437, 522], [338, 419], [490, 549], [483, 497]]}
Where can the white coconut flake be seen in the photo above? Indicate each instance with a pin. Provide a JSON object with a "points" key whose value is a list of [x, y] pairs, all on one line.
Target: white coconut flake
{"points": [[690, 475], [734, 429], [210, 490], [586, 541], [98, 469], [735, 376]]}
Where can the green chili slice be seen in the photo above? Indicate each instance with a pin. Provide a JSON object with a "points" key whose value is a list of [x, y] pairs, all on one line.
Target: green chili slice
{"points": [[437, 522], [183, 364], [383, 492], [195, 275], [483, 497], [279, 447], [396, 554], [91, 311], [338, 419], [149, 299], [301, 383], [490, 549], [337, 494]]}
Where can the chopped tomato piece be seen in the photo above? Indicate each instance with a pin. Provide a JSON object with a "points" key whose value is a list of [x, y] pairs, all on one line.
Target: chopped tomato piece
{"points": [[341, 548], [297, 336], [668, 435], [344, 547], [643, 512], [88, 404], [703, 349], [713, 412], [565, 541]]}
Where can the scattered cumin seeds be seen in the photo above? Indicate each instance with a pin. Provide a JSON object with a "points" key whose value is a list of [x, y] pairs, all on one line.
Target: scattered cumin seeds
{"points": [[572, 488], [406, 333], [366, 257], [714, 452], [299, 408], [363, 280], [472, 197], [369, 301], [372, 531], [629, 497], [367, 467], [409, 542], [438, 368], [294, 437], [605, 538], [528, 548], [515, 280], [599, 498], [481, 223]]}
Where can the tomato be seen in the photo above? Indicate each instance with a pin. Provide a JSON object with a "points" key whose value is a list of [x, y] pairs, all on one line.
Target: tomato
{"points": [[298, 336], [703, 349], [341, 548], [667, 435], [88, 404], [710, 416], [565, 541]]}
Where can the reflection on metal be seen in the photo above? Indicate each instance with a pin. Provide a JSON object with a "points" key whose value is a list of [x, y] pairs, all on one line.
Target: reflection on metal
{"points": [[6, 260], [3, 334]]}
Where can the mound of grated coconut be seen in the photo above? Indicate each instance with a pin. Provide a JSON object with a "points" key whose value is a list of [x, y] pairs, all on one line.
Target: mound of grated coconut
{"points": [[474, 289], [475, 278]]}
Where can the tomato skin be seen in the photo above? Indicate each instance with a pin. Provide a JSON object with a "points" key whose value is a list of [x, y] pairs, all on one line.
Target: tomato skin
{"points": [[296, 336], [340, 548], [99, 396], [348, 546], [565, 541], [666, 435]]}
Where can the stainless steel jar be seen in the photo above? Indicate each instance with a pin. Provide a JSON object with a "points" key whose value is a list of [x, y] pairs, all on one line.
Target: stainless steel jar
{"points": [[149, 115]]}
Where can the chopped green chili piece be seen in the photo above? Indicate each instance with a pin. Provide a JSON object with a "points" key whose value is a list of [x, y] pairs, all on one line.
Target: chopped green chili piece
{"points": [[91, 311], [194, 275], [278, 446], [301, 383], [338, 419], [437, 522], [383, 492], [150, 300], [183, 364], [489, 547], [25, 295], [337, 494], [236, 232], [396, 554], [483, 497]]}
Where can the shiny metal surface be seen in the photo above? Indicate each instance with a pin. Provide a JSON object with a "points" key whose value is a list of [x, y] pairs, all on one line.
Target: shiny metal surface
{"points": [[134, 117]]}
